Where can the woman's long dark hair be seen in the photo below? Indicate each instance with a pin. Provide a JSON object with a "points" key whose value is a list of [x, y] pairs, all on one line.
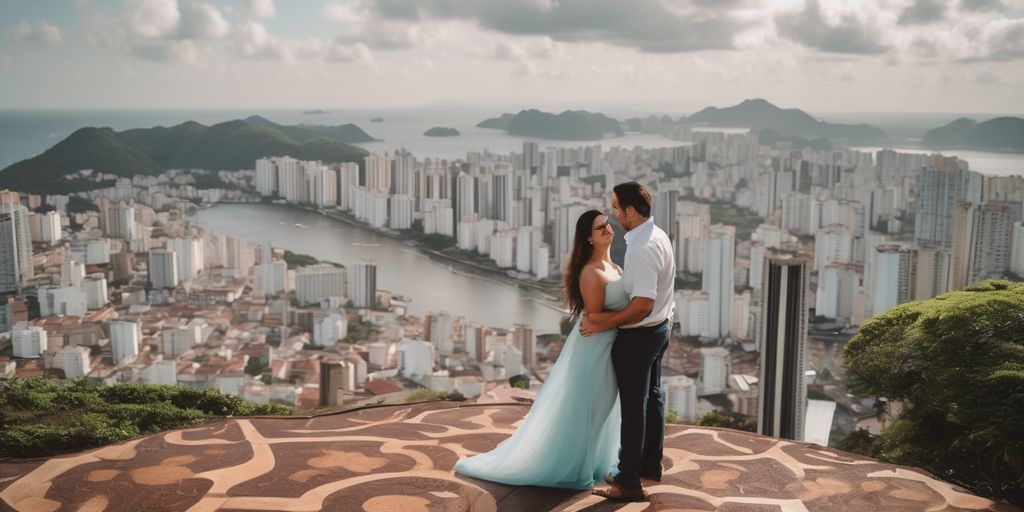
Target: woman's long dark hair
{"points": [[582, 250]]}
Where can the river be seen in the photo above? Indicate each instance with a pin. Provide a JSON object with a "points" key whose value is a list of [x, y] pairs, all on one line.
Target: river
{"points": [[432, 285]]}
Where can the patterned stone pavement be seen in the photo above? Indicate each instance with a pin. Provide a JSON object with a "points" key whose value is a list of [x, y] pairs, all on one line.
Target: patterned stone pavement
{"points": [[399, 458]]}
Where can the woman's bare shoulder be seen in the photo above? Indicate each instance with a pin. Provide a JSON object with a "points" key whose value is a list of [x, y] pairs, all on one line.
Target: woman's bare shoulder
{"points": [[593, 273]]}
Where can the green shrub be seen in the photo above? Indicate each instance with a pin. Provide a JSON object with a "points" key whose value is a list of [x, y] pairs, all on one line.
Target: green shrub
{"points": [[40, 417], [956, 362]]}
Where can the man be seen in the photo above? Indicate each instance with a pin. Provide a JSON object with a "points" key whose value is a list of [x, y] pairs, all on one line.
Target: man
{"points": [[644, 327]]}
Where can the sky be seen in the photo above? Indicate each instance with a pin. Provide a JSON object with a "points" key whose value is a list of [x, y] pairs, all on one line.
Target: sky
{"points": [[673, 56]]}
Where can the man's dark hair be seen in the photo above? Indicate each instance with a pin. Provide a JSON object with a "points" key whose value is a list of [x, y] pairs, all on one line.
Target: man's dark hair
{"points": [[633, 194]]}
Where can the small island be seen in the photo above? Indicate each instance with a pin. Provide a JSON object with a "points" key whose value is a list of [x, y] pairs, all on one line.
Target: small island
{"points": [[569, 125], [440, 131]]}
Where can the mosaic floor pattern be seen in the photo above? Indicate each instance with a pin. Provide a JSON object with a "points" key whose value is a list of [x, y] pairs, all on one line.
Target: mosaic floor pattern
{"points": [[399, 458]]}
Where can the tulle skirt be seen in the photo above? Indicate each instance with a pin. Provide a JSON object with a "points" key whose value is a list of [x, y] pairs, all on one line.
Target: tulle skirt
{"points": [[570, 438]]}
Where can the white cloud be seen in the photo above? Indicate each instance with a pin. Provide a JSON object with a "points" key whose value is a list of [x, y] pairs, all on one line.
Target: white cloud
{"points": [[259, 9], [201, 20], [40, 32], [341, 52], [847, 32], [153, 18], [345, 11]]}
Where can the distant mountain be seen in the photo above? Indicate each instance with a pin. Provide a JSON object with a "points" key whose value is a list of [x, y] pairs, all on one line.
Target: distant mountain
{"points": [[759, 114], [999, 134], [226, 146], [569, 125], [348, 133], [440, 131], [498, 123], [949, 135]]}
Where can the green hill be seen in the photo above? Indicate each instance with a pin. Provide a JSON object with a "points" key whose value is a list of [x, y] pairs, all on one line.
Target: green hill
{"points": [[231, 145], [999, 134], [441, 131], [569, 125], [759, 114]]}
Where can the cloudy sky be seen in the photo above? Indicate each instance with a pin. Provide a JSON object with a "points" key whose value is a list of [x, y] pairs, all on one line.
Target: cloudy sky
{"points": [[647, 55]]}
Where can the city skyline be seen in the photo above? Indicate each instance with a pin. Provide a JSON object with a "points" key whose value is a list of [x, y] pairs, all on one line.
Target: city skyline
{"points": [[824, 56]]}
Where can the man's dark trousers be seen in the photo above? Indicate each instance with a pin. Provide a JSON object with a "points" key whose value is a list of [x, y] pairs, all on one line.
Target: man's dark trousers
{"points": [[636, 356]]}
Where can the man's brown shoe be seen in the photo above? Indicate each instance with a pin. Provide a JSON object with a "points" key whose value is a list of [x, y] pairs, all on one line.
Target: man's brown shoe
{"points": [[616, 492]]}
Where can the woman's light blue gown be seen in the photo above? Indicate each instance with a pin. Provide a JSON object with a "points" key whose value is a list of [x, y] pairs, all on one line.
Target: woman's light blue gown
{"points": [[570, 438]]}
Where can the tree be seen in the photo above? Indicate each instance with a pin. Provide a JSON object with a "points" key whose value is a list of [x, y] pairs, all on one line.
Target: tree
{"points": [[254, 368], [956, 363], [724, 420], [519, 381]]}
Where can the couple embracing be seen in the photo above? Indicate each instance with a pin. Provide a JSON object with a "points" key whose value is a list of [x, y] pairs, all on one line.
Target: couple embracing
{"points": [[600, 416]]}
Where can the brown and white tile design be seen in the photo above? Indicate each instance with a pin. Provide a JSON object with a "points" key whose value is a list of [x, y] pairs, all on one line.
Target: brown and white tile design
{"points": [[399, 458]]}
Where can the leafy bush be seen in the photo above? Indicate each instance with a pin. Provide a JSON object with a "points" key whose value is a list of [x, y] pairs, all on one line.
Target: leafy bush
{"points": [[39, 417], [426, 395], [78, 204], [956, 363], [717, 419]]}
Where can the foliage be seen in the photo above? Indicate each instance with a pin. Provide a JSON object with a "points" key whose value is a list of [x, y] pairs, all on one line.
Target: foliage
{"points": [[717, 419], [360, 332], [298, 260], [78, 204], [427, 395], [208, 180], [861, 442], [254, 367], [672, 417], [519, 382], [956, 363], [436, 241], [40, 417]]}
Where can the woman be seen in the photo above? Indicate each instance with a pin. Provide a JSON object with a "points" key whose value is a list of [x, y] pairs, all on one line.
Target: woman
{"points": [[570, 438]]}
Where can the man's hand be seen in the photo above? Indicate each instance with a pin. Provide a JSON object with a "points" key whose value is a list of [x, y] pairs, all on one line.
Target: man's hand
{"points": [[587, 326], [593, 323]]}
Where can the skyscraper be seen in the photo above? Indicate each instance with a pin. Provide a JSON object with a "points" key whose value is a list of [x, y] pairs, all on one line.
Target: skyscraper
{"points": [[503, 196], [404, 176], [378, 172], [893, 275], [362, 284], [525, 340], [317, 282], [715, 367], [1017, 249], [939, 188], [15, 243], [990, 244], [783, 326], [122, 222], [124, 340], [163, 268], [717, 279]]}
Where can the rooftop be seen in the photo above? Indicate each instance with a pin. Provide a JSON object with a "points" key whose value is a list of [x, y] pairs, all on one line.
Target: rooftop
{"points": [[400, 458]]}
